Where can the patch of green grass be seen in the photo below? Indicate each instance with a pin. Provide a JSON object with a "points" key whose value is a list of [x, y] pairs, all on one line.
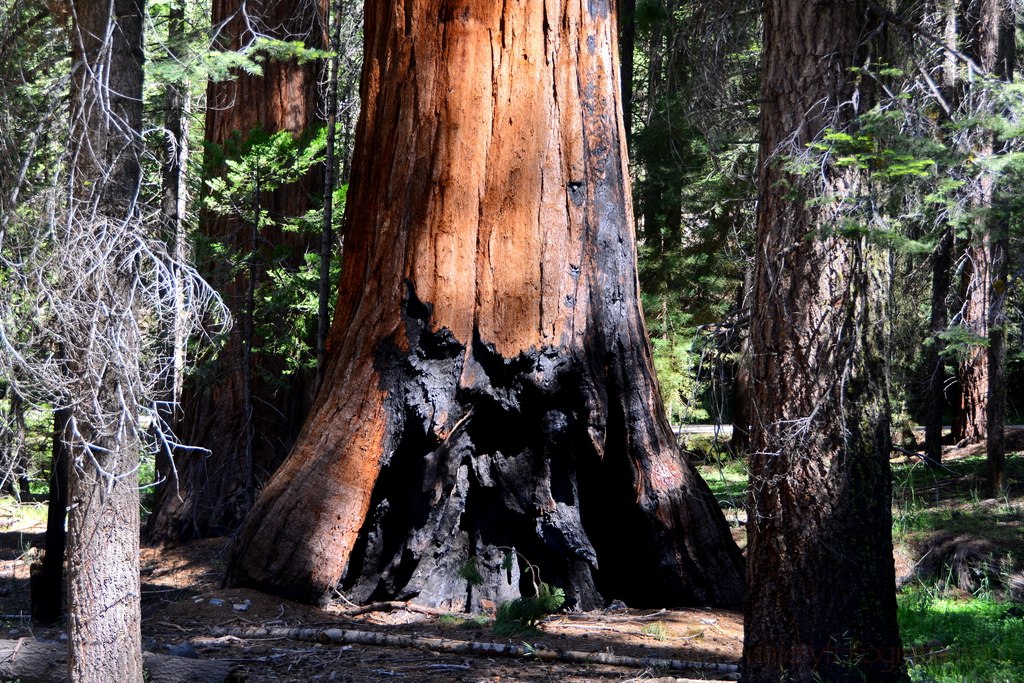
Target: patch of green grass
{"points": [[707, 448], [950, 641], [463, 621], [17, 514], [477, 621], [656, 630], [961, 479], [727, 480], [1001, 525], [950, 500]]}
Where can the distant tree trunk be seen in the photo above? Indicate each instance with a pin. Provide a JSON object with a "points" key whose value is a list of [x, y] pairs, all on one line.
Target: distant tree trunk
{"points": [[739, 442], [935, 363], [174, 205], [47, 587], [104, 624], [938, 399], [177, 108], [972, 373], [489, 383], [821, 603], [627, 44], [1004, 24], [244, 412], [981, 27], [15, 459], [660, 196], [996, 425], [6, 437], [19, 447], [323, 322]]}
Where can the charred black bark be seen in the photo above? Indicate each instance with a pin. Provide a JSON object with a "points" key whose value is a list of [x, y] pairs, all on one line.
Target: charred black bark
{"points": [[517, 478]]}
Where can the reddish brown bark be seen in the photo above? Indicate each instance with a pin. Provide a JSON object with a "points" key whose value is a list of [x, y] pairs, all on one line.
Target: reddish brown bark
{"points": [[1002, 20], [489, 382], [981, 25], [970, 421], [989, 30], [241, 408], [821, 603]]}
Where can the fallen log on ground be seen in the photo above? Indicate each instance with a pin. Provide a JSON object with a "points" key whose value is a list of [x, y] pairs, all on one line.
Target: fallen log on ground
{"points": [[392, 605], [28, 660], [358, 637]]}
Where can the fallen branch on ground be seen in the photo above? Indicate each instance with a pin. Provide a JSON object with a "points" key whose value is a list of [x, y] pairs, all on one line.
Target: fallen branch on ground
{"points": [[357, 637], [394, 605], [606, 617]]}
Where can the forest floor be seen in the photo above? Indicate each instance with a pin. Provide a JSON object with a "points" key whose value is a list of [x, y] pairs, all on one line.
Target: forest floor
{"points": [[186, 612]]}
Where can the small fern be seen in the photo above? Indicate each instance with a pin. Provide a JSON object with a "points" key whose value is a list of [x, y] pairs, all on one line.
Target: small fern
{"points": [[521, 616]]}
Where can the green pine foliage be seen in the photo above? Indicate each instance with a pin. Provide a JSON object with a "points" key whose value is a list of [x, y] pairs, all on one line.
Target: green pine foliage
{"points": [[522, 615], [287, 297], [694, 154], [199, 61], [256, 164]]}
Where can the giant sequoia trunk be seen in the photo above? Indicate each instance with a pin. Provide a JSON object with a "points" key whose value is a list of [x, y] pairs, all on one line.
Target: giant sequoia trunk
{"points": [[489, 384], [242, 409], [821, 601]]}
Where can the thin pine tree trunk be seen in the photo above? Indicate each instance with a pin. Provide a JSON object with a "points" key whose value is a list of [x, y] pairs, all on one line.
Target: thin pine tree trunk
{"points": [[327, 217], [999, 248], [934, 359], [104, 621]]}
